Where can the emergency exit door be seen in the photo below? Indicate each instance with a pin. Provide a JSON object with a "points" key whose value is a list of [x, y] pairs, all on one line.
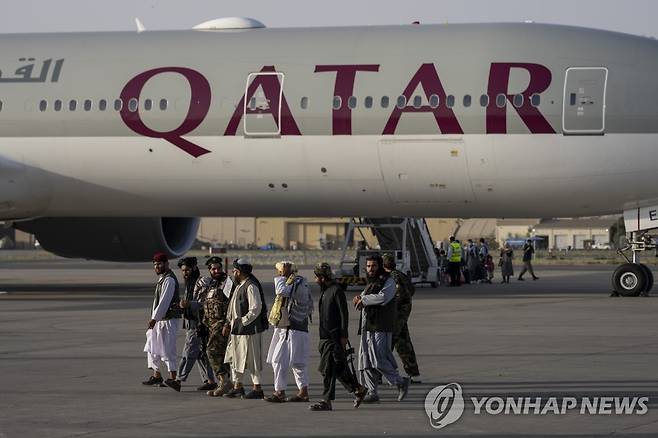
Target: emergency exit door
{"points": [[583, 111], [262, 104]]}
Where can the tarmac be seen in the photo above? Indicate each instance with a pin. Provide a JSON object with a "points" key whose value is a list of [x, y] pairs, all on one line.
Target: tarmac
{"points": [[71, 360]]}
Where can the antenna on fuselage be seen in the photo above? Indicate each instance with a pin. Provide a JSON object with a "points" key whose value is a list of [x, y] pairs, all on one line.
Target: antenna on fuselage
{"points": [[140, 26]]}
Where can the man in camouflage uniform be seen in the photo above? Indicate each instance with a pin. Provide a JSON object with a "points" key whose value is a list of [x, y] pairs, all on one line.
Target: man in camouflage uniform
{"points": [[404, 290], [214, 318]]}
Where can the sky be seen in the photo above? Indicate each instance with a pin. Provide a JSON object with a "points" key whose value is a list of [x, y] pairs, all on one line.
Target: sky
{"points": [[631, 16]]}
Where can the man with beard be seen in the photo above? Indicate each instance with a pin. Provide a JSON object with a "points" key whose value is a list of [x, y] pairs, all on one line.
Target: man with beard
{"points": [[215, 308], [163, 325], [246, 322], [378, 312], [196, 335], [404, 290], [334, 319]]}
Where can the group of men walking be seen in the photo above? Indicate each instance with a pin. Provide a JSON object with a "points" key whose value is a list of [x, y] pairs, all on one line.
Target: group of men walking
{"points": [[224, 318]]}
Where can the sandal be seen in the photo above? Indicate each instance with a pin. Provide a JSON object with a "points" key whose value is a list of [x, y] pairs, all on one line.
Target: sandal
{"points": [[321, 406], [274, 398], [297, 399]]}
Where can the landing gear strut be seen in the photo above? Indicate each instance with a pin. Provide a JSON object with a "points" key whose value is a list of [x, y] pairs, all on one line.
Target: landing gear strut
{"points": [[633, 278]]}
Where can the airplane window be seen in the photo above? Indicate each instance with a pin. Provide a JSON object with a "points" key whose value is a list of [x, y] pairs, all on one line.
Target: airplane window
{"points": [[384, 102], [252, 103], [434, 101], [73, 104], [0, 105], [367, 102], [163, 104], [43, 105], [102, 104], [87, 105], [518, 100], [484, 100], [338, 102], [501, 100], [148, 104], [304, 103], [132, 105], [402, 102], [450, 101], [118, 105], [467, 100], [535, 100], [418, 101], [58, 105], [572, 99], [351, 102]]}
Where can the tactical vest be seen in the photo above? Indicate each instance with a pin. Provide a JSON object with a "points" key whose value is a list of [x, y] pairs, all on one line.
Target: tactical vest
{"points": [[456, 252], [380, 318], [215, 306], [174, 310], [260, 324]]}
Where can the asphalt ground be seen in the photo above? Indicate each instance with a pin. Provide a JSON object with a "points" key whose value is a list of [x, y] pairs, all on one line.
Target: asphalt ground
{"points": [[71, 360]]}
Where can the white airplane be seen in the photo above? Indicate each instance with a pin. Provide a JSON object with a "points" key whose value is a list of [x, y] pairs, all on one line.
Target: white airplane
{"points": [[113, 143]]}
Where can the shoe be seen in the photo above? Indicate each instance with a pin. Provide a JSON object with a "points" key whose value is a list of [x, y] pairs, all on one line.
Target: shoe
{"points": [[153, 381], [359, 395], [535, 278], [235, 392], [254, 394], [371, 398], [415, 380], [403, 389], [276, 398], [297, 399], [521, 279], [220, 390], [208, 386], [321, 406], [173, 384]]}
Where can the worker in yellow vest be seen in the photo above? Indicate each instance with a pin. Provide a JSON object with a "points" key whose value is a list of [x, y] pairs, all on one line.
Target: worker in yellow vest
{"points": [[455, 257]]}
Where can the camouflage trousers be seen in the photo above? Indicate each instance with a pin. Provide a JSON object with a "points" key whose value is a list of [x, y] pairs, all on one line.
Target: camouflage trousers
{"points": [[216, 349], [402, 344]]}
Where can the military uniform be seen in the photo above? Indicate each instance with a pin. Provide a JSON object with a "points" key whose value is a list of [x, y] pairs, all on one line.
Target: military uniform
{"points": [[214, 318], [404, 290]]}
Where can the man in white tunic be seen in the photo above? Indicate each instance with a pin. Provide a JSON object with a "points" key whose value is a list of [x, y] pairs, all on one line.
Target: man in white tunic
{"points": [[378, 312], [164, 323], [289, 347], [247, 320]]}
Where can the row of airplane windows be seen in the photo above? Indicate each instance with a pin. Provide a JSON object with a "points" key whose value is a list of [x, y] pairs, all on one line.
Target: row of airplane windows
{"points": [[352, 103]]}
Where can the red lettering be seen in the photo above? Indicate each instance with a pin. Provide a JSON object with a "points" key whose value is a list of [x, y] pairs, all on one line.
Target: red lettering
{"points": [[428, 78], [199, 106], [344, 87], [540, 79], [271, 88]]}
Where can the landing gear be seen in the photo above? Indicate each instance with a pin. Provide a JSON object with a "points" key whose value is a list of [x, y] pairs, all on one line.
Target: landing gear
{"points": [[633, 279]]}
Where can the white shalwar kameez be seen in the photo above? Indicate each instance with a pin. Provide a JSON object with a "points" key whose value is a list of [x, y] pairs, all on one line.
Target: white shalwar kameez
{"points": [[161, 339], [289, 348], [244, 351]]}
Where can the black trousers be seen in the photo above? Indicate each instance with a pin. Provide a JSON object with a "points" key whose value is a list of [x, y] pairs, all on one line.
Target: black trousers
{"points": [[454, 269], [334, 366]]}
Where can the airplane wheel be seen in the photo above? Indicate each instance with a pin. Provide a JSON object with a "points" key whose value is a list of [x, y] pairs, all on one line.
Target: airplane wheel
{"points": [[629, 280], [649, 275]]}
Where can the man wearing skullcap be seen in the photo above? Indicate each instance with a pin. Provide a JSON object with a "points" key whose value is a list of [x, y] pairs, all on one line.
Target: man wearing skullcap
{"points": [[333, 321], [196, 334], [163, 325], [289, 347], [246, 321]]}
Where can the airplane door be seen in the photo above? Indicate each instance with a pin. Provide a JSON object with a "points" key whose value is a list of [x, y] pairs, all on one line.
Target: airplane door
{"points": [[262, 105], [425, 170], [583, 111]]}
